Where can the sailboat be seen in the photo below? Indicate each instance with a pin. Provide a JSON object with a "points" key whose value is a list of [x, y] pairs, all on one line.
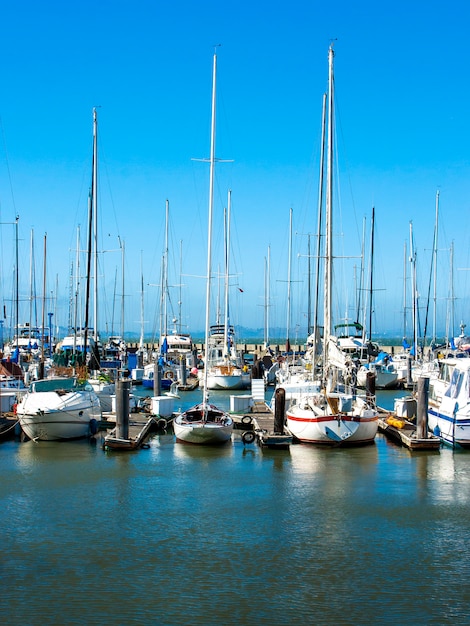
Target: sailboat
{"points": [[224, 363], [334, 414], [205, 423], [62, 407]]}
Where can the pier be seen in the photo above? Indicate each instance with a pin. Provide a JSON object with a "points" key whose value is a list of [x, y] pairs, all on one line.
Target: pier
{"points": [[259, 421], [408, 423]]}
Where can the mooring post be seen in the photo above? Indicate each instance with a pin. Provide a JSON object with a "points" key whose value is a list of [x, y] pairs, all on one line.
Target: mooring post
{"points": [[184, 374], [122, 408], [422, 408], [409, 377], [157, 379], [279, 411], [370, 384]]}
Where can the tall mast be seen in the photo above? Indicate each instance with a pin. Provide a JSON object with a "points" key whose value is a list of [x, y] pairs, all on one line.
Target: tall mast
{"points": [[329, 207], [141, 342], [289, 277], [319, 226], [434, 318], [371, 285], [267, 271], [122, 286], [94, 187], [404, 291], [209, 232], [413, 293], [180, 299], [227, 262]]}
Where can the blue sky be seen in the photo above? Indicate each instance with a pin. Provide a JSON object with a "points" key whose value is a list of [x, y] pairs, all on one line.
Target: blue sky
{"points": [[402, 106]]}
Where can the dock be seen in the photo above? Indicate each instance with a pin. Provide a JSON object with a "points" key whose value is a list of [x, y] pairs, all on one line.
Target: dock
{"points": [[8, 423], [404, 432], [139, 428], [257, 420]]}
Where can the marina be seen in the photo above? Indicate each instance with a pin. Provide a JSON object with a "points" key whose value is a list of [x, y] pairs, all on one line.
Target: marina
{"points": [[284, 518], [247, 409]]}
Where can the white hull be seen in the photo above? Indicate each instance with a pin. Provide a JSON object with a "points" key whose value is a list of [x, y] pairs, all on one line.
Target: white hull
{"points": [[313, 425], [448, 406], [453, 427], [384, 379], [53, 416], [215, 429], [231, 381]]}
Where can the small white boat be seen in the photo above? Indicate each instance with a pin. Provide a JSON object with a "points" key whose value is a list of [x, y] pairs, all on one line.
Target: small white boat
{"points": [[203, 423], [59, 408]]}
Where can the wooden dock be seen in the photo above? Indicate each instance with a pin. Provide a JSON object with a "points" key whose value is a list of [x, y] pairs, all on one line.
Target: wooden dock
{"points": [[404, 432], [256, 419], [8, 423], [263, 428], [140, 425]]}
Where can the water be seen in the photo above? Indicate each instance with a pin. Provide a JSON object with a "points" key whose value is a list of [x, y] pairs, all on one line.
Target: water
{"points": [[175, 534]]}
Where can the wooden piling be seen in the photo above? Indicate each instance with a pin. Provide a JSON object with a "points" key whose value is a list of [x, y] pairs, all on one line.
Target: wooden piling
{"points": [[279, 410], [422, 409], [157, 379], [370, 384]]}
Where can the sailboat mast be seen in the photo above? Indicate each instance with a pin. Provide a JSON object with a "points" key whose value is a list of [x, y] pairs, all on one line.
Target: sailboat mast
{"points": [[43, 303], [434, 319], [167, 217], [319, 226], [413, 293], [289, 270], [209, 233], [227, 269], [405, 256], [141, 341], [329, 207], [371, 285], [94, 187], [122, 286]]}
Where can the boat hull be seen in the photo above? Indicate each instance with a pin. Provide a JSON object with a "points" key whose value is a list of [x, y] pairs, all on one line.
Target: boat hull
{"points": [[50, 417], [203, 426], [335, 430], [234, 381], [452, 428]]}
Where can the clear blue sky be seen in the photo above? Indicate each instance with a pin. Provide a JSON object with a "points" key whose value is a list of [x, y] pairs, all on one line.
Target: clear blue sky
{"points": [[402, 103]]}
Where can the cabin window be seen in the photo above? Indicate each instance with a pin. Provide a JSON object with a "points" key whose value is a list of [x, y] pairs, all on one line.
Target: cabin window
{"points": [[455, 384]]}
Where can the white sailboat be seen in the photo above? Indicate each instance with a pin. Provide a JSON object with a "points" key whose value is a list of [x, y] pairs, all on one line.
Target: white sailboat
{"points": [[59, 408], [334, 414], [224, 363], [204, 423]]}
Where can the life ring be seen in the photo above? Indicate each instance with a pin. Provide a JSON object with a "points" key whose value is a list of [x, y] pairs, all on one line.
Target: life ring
{"points": [[246, 419], [162, 423], [169, 375], [248, 436]]}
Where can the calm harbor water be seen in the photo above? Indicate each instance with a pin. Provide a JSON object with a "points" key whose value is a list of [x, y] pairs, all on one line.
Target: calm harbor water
{"points": [[175, 534]]}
